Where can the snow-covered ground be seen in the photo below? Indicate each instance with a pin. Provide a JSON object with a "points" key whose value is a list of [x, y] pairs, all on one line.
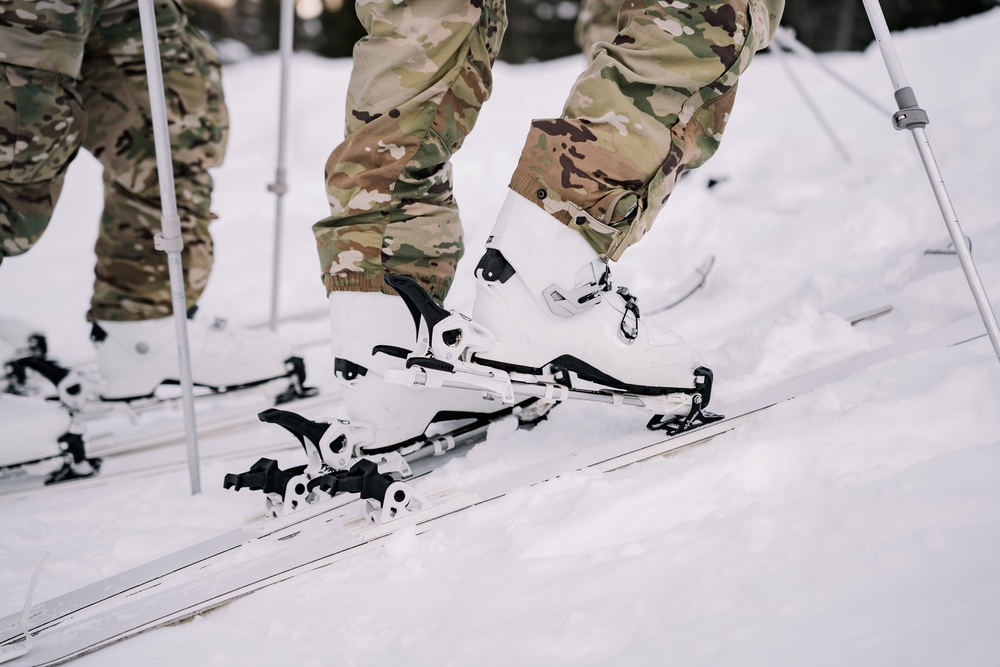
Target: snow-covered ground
{"points": [[859, 524]]}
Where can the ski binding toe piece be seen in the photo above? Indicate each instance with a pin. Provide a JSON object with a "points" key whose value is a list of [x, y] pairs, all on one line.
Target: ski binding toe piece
{"points": [[335, 465]]}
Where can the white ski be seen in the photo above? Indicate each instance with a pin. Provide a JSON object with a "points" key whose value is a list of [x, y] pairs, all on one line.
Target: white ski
{"points": [[194, 580]]}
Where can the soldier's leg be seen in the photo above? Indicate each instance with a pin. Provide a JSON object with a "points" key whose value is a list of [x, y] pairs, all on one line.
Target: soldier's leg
{"points": [[132, 280], [653, 102], [41, 119], [419, 80], [40, 130]]}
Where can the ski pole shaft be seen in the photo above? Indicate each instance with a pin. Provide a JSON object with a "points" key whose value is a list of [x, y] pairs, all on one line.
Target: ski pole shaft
{"points": [[911, 117], [786, 37], [810, 103], [169, 239], [280, 185]]}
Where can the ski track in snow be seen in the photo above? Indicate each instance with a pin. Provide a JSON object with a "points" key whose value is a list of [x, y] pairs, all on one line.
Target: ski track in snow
{"points": [[859, 524]]}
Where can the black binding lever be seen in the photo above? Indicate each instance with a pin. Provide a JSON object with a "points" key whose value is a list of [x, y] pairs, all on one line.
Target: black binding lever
{"points": [[419, 302], [363, 478], [265, 475], [47, 368], [698, 416], [297, 425]]}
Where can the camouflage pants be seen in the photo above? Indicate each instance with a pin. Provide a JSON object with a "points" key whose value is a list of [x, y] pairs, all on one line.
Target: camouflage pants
{"points": [[72, 75], [653, 102], [420, 78]]}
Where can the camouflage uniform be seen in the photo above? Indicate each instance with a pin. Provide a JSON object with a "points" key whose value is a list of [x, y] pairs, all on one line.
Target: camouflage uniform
{"points": [[72, 74], [653, 102], [419, 79]]}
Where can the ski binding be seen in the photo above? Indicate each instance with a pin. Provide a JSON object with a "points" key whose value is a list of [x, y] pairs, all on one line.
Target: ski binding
{"points": [[340, 459], [450, 341], [290, 490]]}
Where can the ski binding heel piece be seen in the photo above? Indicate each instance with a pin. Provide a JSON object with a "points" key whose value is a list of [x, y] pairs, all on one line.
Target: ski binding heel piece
{"points": [[296, 388], [399, 500], [444, 338], [698, 416]]}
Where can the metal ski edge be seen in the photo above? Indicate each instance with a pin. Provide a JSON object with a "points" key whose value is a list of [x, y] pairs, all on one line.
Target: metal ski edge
{"points": [[629, 450]]}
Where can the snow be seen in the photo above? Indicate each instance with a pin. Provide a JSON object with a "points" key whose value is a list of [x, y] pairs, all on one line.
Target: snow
{"points": [[859, 524]]}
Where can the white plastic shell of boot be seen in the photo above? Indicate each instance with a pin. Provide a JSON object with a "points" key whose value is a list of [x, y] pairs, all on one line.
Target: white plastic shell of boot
{"points": [[138, 356], [31, 429], [359, 321], [544, 252]]}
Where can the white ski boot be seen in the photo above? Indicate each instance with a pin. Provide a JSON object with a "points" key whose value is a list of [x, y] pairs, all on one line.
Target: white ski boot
{"points": [[372, 333], [547, 323], [36, 430], [134, 358], [387, 425], [546, 296]]}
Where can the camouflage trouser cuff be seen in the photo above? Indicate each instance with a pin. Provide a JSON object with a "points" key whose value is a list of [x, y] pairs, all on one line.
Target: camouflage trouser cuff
{"points": [[102, 314], [608, 241], [372, 281]]}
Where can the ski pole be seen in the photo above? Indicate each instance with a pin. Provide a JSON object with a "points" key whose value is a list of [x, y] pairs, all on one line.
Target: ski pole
{"points": [[169, 239], [280, 185], [911, 117], [786, 37], [809, 102]]}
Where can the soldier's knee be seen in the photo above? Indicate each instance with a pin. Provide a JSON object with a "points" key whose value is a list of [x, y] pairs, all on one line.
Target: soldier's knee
{"points": [[41, 124], [25, 211]]}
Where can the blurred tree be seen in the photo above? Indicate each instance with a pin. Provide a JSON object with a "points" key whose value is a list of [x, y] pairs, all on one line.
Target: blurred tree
{"points": [[327, 27], [339, 29], [539, 30], [543, 29], [842, 25]]}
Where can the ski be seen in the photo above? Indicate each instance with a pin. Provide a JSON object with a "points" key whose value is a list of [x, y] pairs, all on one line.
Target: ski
{"points": [[194, 580], [134, 582], [234, 446], [936, 259], [114, 451], [211, 420], [115, 428]]}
